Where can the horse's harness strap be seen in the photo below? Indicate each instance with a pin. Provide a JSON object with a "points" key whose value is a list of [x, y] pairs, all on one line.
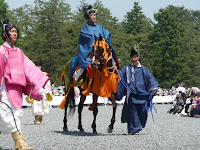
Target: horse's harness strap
{"points": [[110, 57], [104, 46], [99, 57]]}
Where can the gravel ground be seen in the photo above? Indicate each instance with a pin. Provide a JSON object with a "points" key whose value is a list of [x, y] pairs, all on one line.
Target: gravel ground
{"points": [[168, 132]]}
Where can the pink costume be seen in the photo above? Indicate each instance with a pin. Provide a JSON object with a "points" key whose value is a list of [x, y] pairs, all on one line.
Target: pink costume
{"points": [[18, 70]]}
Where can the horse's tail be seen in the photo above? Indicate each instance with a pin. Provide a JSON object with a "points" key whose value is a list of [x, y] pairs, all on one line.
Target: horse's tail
{"points": [[72, 104], [62, 105]]}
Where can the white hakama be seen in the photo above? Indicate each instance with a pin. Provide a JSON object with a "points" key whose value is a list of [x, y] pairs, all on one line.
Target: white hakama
{"points": [[7, 123], [41, 107]]}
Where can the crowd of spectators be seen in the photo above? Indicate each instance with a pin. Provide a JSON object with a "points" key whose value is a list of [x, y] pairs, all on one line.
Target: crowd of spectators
{"points": [[186, 102], [58, 91]]}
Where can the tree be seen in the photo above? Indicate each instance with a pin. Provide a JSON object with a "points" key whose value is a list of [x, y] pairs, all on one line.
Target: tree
{"points": [[45, 34], [137, 27], [170, 43], [136, 22], [3, 14], [192, 32], [22, 17], [50, 35]]}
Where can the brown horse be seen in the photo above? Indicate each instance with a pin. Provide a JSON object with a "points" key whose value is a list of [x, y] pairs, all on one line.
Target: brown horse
{"points": [[101, 80]]}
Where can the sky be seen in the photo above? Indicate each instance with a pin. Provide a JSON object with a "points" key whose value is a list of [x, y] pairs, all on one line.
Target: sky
{"points": [[119, 8]]}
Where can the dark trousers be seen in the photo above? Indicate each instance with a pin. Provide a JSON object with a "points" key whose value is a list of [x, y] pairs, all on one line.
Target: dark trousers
{"points": [[187, 107], [137, 117]]}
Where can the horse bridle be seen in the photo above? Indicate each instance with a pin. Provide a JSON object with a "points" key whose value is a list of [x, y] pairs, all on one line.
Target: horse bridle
{"points": [[101, 58], [103, 45]]}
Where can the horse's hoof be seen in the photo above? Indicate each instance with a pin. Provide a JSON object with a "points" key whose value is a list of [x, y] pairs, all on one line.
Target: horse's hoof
{"points": [[82, 130], [109, 130], [65, 129], [94, 131]]}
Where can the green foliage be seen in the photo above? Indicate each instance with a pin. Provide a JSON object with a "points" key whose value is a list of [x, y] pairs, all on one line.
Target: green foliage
{"points": [[49, 32], [44, 29], [3, 9], [137, 26], [3, 14], [171, 50], [135, 21]]}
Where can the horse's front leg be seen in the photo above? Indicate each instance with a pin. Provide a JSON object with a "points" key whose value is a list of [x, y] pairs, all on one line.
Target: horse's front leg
{"points": [[80, 108], [95, 112], [114, 104]]}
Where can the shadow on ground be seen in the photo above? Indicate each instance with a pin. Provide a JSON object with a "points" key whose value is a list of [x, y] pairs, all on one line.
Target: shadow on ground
{"points": [[78, 133]]}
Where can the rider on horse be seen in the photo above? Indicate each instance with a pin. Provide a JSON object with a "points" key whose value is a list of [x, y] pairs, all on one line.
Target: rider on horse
{"points": [[86, 40], [95, 49]]}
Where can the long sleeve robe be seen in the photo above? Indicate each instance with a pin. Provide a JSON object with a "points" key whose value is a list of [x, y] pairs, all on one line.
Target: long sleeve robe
{"points": [[140, 80], [18, 70], [86, 40]]}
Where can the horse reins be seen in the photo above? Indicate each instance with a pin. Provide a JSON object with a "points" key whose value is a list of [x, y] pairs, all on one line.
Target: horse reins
{"points": [[149, 104], [104, 46]]}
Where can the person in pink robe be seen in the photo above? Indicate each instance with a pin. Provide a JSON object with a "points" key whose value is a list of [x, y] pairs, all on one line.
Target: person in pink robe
{"points": [[18, 75]]}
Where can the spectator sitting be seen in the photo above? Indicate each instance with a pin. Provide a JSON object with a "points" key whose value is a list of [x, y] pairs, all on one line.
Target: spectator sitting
{"points": [[177, 105], [196, 105], [189, 99], [181, 88]]}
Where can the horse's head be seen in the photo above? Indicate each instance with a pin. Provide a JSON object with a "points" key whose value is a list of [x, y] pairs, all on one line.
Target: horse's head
{"points": [[101, 54]]}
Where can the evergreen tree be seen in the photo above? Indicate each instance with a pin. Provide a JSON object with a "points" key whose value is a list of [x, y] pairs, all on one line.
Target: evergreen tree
{"points": [[47, 40], [169, 41], [22, 17], [137, 27], [136, 22], [3, 15], [3, 9], [192, 34], [49, 32]]}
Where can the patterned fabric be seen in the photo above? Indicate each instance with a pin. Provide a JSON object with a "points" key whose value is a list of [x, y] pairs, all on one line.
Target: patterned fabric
{"points": [[85, 46], [105, 83]]}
